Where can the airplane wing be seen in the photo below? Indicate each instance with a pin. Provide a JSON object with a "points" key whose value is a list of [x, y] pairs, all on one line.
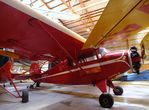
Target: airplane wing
{"points": [[145, 46], [145, 41], [31, 34], [119, 19]]}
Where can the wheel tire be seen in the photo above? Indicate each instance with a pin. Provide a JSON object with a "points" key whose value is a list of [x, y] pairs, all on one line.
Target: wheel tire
{"points": [[25, 96], [118, 90], [106, 100]]}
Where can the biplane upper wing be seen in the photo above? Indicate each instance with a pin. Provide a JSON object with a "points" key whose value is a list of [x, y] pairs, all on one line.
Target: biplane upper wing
{"points": [[31, 34], [119, 19]]}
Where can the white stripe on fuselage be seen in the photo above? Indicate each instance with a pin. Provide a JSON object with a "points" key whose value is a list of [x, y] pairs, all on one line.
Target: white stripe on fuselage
{"points": [[87, 67]]}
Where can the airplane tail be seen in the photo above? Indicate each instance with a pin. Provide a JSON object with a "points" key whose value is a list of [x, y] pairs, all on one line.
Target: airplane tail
{"points": [[34, 69]]}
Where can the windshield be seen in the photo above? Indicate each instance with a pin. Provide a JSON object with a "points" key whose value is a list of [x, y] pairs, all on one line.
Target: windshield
{"points": [[103, 51]]}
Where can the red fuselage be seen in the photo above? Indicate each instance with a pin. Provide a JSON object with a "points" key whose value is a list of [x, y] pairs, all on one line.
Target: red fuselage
{"points": [[87, 71]]}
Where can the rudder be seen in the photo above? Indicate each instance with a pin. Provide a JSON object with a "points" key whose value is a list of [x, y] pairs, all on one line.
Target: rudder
{"points": [[35, 69]]}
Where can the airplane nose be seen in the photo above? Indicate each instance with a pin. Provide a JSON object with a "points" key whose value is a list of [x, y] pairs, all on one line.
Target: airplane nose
{"points": [[136, 61]]}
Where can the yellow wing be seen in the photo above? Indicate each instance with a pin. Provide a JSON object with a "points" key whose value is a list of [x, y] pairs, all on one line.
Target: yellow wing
{"points": [[145, 46], [120, 18]]}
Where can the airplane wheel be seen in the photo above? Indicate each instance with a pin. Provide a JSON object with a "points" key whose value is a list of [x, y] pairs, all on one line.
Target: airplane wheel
{"points": [[118, 90], [25, 96], [106, 100]]}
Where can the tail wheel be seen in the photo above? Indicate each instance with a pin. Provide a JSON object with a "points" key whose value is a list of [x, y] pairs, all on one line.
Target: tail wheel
{"points": [[118, 90], [37, 84], [106, 100], [25, 96]]}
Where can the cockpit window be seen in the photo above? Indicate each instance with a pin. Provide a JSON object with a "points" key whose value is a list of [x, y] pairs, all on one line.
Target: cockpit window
{"points": [[103, 51], [3, 60]]}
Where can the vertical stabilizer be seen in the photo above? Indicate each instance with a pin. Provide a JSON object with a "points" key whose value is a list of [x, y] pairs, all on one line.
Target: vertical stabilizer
{"points": [[35, 69]]}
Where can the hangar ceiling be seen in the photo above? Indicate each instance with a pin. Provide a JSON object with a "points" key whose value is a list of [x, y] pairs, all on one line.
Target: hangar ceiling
{"points": [[80, 16], [77, 15]]}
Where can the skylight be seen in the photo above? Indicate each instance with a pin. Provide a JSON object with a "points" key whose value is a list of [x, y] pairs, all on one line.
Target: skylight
{"points": [[53, 14]]}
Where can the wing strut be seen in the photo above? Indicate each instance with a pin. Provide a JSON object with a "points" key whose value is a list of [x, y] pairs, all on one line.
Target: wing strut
{"points": [[44, 28]]}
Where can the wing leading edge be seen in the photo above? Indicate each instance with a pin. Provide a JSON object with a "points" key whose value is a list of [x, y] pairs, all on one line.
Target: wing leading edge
{"points": [[119, 19]]}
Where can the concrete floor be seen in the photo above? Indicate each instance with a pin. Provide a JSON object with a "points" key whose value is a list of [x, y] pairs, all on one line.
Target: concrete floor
{"points": [[54, 97]]}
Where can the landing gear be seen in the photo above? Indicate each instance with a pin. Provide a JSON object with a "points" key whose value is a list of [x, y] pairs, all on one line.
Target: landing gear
{"points": [[106, 100], [118, 90], [31, 86], [37, 85], [25, 96]]}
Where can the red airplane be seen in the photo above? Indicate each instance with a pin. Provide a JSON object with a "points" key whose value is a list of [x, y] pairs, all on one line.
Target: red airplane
{"points": [[74, 60], [7, 76]]}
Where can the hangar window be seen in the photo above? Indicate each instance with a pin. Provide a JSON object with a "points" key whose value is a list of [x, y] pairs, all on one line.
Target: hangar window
{"points": [[87, 55]]}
